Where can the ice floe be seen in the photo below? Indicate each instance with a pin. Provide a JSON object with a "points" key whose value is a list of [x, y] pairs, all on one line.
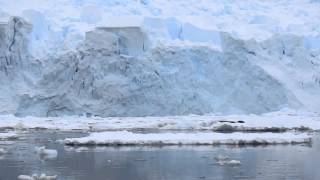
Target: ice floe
{"points": [[199, 138]]}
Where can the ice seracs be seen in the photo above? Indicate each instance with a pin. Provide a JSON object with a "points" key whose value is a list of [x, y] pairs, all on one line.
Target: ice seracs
{"points": [[131, 40], [17, 69], [97, 81]]}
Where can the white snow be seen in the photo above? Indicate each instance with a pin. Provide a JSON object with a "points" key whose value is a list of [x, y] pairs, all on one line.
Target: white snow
{"points": [[198, 138]]}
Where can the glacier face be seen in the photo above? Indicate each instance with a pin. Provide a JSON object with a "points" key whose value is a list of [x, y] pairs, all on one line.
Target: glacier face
{"points": [[150, 64], [166, 81], [18, 70], [103, 80]]}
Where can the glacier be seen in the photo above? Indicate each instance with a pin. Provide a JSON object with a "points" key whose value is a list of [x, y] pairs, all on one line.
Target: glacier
{"points": [[156, 73], [151, 58]]}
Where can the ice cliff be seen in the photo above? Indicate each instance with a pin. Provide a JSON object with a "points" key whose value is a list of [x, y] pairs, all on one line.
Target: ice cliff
{"points": [[18, 70], [123, 71]]}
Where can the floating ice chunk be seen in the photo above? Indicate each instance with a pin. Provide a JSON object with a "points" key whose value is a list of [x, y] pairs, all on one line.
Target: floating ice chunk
{"points": [[225, 160], [222, 157], [2, 151], [45, 177], [25, 177], [229, 162], [36, 177], [8, 136], [203, 138], [46, 153]]}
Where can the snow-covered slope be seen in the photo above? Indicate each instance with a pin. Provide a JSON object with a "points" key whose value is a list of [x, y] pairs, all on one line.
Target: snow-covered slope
{"points": [[145, 58]]}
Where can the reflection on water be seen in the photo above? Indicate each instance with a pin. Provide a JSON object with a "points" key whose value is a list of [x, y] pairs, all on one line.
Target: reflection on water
{"points": [[155, 163]]}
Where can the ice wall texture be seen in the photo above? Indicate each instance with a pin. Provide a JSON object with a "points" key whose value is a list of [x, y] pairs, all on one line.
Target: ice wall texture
{"points": [[166, 81], [13, 44], [158, 65], [102, 80], [18, 70]]}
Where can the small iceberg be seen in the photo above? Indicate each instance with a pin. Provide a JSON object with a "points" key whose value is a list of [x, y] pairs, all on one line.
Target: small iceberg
{"points": [[46, 153]]}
